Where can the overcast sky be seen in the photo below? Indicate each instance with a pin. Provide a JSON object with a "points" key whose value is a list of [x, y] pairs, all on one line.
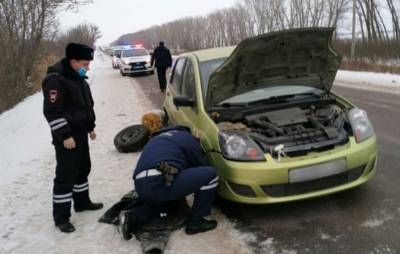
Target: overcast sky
{"points": [[117, 17]]}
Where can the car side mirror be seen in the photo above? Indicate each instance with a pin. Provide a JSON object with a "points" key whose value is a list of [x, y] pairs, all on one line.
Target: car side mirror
{"points": [[183, 101]]}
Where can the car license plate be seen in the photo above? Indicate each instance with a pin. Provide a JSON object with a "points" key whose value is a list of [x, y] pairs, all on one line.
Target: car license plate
{"points": [[317, 171], [137, 66]]}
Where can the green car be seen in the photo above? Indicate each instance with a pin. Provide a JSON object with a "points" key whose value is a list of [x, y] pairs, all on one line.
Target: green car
{"points": [[268, 120]]}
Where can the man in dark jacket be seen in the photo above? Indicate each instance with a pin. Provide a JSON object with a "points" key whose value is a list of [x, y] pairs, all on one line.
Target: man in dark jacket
{"points": [[163, 59], [68, 108], [172, 165]]}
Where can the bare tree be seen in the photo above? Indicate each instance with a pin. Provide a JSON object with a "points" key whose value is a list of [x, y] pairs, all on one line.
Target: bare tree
{"points": [[23, 25], [395, 19], [248, 18], [371, 21]]}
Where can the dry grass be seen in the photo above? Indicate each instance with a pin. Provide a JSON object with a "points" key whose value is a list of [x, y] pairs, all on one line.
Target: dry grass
{"points": [[366, 65], [375, 56], [40, 70]]}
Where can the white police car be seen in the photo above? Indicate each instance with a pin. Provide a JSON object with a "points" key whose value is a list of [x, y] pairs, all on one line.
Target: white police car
{"points": [[135, 60]]}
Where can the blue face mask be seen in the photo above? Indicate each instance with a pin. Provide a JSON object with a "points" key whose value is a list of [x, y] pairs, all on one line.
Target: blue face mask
{"points": [[82, 72]]}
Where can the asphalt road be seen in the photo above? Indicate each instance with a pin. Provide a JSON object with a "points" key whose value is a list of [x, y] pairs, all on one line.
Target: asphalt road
{"points": [[362, 220]]}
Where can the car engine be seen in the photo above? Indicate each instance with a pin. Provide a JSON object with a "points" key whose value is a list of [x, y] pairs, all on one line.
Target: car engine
{"points": [[295, 131]]}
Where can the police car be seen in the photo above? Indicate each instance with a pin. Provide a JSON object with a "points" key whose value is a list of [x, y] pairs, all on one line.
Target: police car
{"points": [[135, 60]]}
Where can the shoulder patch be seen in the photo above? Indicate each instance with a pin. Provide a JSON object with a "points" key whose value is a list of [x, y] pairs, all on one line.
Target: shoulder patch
{"points": [[53, 95]]}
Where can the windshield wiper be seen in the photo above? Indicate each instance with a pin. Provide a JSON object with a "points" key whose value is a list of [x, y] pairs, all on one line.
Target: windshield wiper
{"points": [[233, 104], [282, 98]]}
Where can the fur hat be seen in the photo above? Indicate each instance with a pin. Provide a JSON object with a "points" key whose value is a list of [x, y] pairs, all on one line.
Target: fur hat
{"points": [[154, 120], [78, 52]]}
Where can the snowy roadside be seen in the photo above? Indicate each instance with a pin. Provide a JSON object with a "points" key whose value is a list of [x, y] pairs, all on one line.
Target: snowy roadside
{"points": [[27, 170], [381, 82]]}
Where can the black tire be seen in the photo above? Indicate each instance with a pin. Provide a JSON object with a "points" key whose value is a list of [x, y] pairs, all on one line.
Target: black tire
{"points": [[122, 74], [131, 139], [151, 72]]}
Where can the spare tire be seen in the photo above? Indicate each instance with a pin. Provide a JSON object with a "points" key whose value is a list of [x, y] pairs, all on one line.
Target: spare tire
{"points": [[131, 139]]}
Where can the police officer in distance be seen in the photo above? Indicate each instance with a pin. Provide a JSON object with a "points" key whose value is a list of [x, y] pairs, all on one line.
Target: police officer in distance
{"points": [[163, 60], [68, 108], [172, 165]]}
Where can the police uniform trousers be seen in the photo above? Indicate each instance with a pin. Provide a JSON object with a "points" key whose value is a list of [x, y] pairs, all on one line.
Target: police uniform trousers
{"points": [[202, 181], [71, 180], [161, 72]]}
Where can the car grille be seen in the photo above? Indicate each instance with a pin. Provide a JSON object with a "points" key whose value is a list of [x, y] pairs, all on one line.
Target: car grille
{"points": [[282, 190]]}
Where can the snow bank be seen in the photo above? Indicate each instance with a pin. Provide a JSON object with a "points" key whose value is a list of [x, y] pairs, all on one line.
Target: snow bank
{"points": [[369, 80]]}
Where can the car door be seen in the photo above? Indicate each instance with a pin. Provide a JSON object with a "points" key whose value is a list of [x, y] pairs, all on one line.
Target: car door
{"points": [[174, 86], [189, 116]]}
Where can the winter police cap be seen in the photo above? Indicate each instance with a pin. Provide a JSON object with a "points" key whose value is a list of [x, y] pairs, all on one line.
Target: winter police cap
{"points": [[79, 52]]}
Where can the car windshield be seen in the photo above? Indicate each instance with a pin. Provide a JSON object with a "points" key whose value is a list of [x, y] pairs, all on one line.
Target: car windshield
{"points": [[117, 53], [206, 68], [134, 52], [269, 93]]}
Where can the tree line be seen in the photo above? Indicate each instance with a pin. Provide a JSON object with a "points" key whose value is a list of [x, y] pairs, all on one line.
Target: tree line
{"points": [[377, 23], [30, 40]]}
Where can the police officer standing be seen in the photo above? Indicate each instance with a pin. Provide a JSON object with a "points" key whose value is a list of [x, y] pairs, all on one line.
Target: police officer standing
{"points": [[68, 108], [172, 165], [163, 59]]}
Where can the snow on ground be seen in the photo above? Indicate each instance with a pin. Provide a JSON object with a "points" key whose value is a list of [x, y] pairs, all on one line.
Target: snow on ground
{"points": [[27, 169], [369, 81]]}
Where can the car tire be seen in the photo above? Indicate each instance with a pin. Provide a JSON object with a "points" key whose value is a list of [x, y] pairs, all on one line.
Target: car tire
{"points": [[151, 72], [122, 74], [131, 139]]}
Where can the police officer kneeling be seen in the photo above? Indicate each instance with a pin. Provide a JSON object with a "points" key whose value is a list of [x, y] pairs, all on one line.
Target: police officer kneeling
{"points": [[172, 165]]}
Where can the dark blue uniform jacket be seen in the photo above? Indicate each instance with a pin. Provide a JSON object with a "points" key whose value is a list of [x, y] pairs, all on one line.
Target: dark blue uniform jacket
{"points": [[174, 145]]}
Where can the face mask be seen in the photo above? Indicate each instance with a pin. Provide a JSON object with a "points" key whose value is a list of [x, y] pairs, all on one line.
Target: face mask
{"points": [[82, 72]]}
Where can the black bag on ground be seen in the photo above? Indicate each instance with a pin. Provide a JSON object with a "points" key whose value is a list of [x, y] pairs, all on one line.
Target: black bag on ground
{"points": [[128, 201], [153, 236]]}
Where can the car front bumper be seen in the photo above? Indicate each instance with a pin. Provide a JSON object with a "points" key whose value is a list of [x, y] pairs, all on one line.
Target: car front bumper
{"points": [[127, 69], [268, 181]]}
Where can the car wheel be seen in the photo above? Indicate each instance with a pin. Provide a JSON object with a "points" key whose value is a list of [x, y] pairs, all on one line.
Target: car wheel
{"points": [[151, 72], [131, 139], [122, 73]]}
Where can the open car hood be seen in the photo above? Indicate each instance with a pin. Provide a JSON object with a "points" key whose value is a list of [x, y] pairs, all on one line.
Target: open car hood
{"points": [[292, 57]]}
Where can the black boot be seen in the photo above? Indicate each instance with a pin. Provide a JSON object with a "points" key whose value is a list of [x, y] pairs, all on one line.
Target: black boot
{"points": [[128, 224], [89, 207], [199, 224], [66, 227]]}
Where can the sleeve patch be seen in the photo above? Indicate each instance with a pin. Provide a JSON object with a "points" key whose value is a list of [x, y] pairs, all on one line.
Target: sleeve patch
{"points": [[53, 95]]}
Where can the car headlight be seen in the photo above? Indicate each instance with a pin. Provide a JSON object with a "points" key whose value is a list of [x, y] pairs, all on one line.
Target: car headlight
{"points": [[362, 127], [237, 145]]}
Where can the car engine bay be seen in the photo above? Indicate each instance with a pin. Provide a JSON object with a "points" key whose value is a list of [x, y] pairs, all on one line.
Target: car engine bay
{"points": [[294, 130]]}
